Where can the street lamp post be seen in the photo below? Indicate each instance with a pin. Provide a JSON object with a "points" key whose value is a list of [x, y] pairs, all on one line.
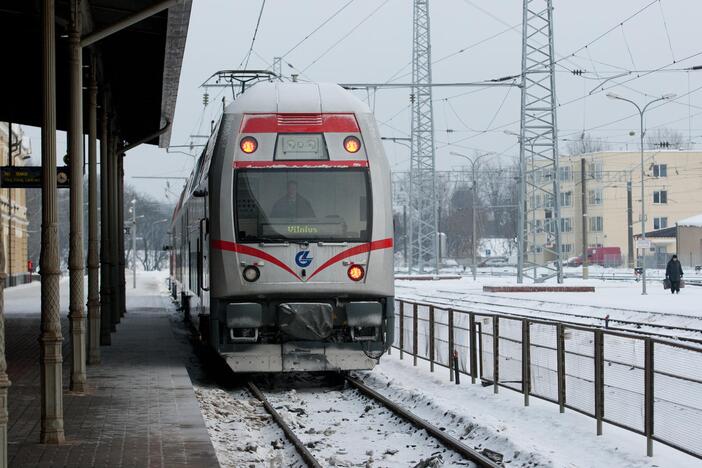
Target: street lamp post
{"points": [[133, 210], [473, 162], [643, 200]]}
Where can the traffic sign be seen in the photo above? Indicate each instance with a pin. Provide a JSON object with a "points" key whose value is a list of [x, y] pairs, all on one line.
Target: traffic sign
{"points": [[643, 244]]}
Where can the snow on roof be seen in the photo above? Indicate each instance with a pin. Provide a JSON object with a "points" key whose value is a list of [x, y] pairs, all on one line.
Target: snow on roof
{"points": [[297, 97], [695, 221]]}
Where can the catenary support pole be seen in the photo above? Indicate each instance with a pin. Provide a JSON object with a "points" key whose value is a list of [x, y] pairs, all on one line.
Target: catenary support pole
{"points": [[51, 358], [76, 313], [643, 205], [93, 260], [630, 224], [105, 238], [584, 221]]}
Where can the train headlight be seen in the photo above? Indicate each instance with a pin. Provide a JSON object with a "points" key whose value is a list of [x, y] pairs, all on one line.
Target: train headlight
{"points": [[356, 272], [251, 273], [352, 144], [248, 144]]}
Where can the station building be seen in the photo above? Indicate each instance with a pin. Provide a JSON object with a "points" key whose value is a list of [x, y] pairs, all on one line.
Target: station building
{"points": [[13, 208], [673, 182]]}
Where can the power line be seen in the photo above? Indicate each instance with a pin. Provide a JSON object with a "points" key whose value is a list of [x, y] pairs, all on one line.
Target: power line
{"points": [[346, 35], [634, 15], [667, 33], [318, 28], [253, 39]]}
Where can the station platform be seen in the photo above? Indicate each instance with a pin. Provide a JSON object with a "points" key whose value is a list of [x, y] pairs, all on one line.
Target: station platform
{"points": [[140, 409]]}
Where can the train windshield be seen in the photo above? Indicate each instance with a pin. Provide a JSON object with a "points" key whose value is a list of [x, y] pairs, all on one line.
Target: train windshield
{"points": [[276, 205]]}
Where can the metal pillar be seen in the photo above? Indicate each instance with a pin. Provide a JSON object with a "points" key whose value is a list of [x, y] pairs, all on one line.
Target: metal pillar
{"points": [[50, 339], [10, 162], [93, 261], [120, 233], [105, 236], [422, 195], [4, 380], [76, 313], [539, 131], [584, 221], [112, 219], [630, 224], [278, 67]]}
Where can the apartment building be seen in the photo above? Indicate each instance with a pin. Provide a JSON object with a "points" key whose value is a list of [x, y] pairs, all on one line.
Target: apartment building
{"points": [[673, 191], [13, 209]]}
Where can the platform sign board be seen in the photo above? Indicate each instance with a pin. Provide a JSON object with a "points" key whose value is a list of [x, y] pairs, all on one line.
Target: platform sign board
{"points": [[643, 244], [30, 176]]}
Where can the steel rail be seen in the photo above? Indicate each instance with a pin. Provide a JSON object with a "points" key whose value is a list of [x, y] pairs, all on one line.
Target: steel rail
{"points": [[297, 443], [583, 316], [625, 332], [447, 440], [453, 302], [556, 303]]}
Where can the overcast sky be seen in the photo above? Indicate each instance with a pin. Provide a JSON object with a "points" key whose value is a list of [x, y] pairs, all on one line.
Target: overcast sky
{"points": [[379, 46]]}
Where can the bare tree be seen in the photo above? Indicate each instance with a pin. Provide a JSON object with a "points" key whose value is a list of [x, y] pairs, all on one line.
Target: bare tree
{"points": [[662, 138], [152, 225], [586, 144]]}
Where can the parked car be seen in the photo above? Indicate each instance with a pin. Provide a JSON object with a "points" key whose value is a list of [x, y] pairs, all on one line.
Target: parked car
{"points": [[603, 256], [494, 262]]}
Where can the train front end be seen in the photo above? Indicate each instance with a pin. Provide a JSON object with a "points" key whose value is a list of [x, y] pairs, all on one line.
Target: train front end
{"points": [[301, 255]]}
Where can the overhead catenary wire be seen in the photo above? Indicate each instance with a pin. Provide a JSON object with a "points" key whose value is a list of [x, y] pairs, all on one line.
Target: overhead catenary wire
{"points": [[667, 32], [358, 25], [253, 38], [324, 23]]}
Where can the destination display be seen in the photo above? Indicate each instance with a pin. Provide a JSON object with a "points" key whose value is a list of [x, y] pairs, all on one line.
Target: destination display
{"points": [[30, 176]]}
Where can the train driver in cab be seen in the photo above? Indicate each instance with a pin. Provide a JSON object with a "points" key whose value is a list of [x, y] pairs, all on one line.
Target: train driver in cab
{"points": [[292, 205]]}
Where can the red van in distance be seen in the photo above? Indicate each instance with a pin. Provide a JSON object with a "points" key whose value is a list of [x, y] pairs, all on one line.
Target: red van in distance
{"points": [[603, 256]]}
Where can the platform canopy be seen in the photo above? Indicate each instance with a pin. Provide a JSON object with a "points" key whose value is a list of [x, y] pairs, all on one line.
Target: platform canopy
{"points": [[140, 65]]}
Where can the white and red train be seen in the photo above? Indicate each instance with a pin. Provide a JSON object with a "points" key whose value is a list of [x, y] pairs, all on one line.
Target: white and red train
{"points": [[281, 242]]}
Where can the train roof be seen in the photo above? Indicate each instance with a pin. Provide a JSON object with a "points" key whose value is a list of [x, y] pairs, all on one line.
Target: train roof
{"points": [[297, 97]]}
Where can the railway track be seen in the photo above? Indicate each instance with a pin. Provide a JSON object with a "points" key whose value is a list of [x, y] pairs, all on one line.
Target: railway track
{"points": [[518, 311], [379, 415], [607, 308]]}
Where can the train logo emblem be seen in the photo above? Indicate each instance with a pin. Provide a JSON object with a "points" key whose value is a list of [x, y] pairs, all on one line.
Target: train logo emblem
{"points": [[303, 259]]}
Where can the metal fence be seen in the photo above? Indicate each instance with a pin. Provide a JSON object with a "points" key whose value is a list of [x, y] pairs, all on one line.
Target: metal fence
{"points": [[649, 386]]}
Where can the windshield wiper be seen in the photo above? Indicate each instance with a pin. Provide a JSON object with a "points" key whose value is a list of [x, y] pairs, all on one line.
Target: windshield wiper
{"points": [[277, 240], [268, 240]]}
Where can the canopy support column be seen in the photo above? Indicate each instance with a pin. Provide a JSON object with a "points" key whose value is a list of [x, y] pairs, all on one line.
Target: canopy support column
{"points": [[93, 260], [4, 380], [51, 338], [120, 234], [75, 153], [105, 266], [114, 244]]}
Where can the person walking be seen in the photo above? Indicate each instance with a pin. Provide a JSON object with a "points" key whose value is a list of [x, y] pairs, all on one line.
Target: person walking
{"points": [[674, 274]]}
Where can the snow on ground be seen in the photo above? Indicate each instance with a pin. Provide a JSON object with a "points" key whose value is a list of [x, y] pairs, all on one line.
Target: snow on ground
{"points": [[342, 427], [617, 294], [242, 432], [501, 422], [533, 436], [26, 298]]}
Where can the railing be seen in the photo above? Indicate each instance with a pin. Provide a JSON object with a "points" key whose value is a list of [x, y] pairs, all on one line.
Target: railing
{"points": [[649, 386]]}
